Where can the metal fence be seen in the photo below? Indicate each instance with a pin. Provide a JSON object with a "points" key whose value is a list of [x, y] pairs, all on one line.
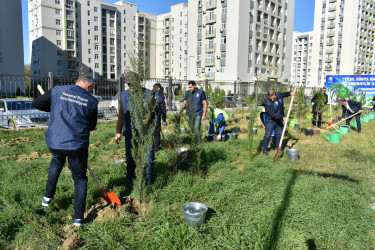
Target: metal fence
{"points": [[18, 91]]}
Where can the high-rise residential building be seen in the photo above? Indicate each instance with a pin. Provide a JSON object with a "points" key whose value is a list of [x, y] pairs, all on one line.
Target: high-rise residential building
{"points": [[11, 41], [242, 40], [343, 39], [172, 43], [73, 37], [302, 57]]}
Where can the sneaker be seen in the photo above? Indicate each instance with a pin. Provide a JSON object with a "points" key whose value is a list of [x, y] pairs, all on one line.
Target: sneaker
{"points": [[77, 222], [46, 201], [265, 152]]}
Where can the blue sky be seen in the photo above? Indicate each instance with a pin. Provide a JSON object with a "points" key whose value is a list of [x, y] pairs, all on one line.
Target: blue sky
{"points": [[303, 16]]}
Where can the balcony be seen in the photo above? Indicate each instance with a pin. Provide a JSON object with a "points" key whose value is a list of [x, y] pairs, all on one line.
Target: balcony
{"points": [[330, 17], [331, 25], [330, 42], [210, 48], [329, 51], [210, 75], [199, 50], [210, 62], [328, 59], [211, 4], [222, 62], [199, 22], [211, 34], [328, 68], [211, 19], [332, 8], [223, 32], [330, 34]]}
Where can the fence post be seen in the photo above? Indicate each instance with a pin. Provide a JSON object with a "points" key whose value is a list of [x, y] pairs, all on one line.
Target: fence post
{"points": [[170, 94], [50, 80]]}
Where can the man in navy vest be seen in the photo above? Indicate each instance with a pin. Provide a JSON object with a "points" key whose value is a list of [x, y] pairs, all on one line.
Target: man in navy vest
{"points": [[196, 104], [162, 114], [74, 114], [124, 124], [274, 106], [349, 108]]}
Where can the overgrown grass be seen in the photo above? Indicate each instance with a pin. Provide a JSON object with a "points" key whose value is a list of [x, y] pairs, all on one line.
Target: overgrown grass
{"points": [[322, 200]]}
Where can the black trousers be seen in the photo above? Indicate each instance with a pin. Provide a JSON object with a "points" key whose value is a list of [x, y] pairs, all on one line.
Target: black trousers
{"points": [[319, 116], [157, 136]]}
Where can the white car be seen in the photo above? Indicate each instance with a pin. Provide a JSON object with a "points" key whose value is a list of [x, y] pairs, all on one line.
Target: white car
{"points": [[15, 113]]}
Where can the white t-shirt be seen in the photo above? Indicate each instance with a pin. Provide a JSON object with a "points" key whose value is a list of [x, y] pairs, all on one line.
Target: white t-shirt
{"points": [[347, 106]]}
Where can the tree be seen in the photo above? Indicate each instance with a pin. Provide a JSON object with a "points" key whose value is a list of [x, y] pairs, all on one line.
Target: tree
{"points": [[301, 107], [319, 103]]}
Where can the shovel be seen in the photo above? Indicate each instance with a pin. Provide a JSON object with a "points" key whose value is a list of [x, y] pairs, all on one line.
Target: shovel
{"points": [[169, 145], [332, 125], [286, 123], [110, 197]]}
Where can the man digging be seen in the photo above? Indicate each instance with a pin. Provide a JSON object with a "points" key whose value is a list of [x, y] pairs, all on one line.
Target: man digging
{"points": [[74, 113], [349, 108]]}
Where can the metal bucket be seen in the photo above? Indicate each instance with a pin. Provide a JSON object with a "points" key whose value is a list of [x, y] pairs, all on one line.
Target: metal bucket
{"points": [[255, 131], [292, 154], [232, 136], [309, 132], [181, 150], [195, 213], [230, 115]]}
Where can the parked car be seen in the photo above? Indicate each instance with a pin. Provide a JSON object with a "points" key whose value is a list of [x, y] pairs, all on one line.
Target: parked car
{"points": [[15, 113], [229, 101]]}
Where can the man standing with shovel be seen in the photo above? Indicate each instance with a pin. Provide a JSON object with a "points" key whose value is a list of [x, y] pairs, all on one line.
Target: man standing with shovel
{"points": [[74, 114], [350, 108], [274, 106]]}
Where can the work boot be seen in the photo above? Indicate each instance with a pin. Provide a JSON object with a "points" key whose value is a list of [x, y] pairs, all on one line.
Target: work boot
{"points": [[265, 152]]}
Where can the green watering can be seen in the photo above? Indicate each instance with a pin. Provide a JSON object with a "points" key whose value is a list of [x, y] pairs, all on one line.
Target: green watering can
{"points": [[334, 137], [366, 118], [371, 116], [344, 129], [292, 122], [354, 123]]}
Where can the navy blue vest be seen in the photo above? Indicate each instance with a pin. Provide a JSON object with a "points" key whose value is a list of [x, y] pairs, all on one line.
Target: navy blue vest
{"points": [[195, 101], [126, 100], [72, 109]]}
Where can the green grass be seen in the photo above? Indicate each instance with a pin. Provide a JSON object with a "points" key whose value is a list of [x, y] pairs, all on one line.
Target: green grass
{"points": [[322, 200]]}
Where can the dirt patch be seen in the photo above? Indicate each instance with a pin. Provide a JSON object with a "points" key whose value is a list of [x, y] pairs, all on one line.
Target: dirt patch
{"points": [[95, 144], [46, 156], [71, 242], [21, 158], [242, 136], [241, 167], [113, 140]]}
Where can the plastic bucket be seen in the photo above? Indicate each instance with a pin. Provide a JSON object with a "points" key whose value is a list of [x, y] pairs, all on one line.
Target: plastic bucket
{"points": [[232, 136], [309, 132], [366, 119], [194, 213], [292, 122], [255, 131], [292, 154], [297, 126], [237, 129]]}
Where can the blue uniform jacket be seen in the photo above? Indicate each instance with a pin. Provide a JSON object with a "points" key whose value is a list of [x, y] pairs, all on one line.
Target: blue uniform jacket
{"points": [[195, 102], [73, 116], [354, 106], [275, 110]]}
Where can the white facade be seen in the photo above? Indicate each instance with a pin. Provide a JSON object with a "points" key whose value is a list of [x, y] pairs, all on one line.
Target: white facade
{"points": [[240, 40], [344, 43], [172, 42], [11, 41], [92, 37], [302, 59]]}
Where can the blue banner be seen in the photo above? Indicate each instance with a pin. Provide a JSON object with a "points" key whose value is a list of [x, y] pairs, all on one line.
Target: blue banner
{"points": [[354, 87]]}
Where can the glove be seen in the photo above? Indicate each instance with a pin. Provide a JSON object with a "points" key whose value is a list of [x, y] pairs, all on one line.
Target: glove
{"points": [[312, 104]]}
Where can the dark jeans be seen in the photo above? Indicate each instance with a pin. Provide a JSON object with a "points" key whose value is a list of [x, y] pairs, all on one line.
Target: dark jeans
{"points": [[270, 126], [77, 160], [130, 163], [319, 119], [195, 122], [157, 137], [357, 119]]}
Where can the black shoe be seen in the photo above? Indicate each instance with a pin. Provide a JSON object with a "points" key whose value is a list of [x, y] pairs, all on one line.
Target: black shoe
{"points": [[265, 152]]}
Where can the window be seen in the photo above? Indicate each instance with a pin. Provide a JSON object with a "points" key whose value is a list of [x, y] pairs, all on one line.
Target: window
{"points": [[95, 28], [96, 65], [95, 9], [59, 63], [89, 51], [57, 1], [96, 46], [95, 18], [59, 52], [89, 41], [58, 42], [96, 38], [124, 12], [88, 12], [89, 60], [88, 32], [88, 3], [57, 12], [57, 22], [58, 32], [96, 56], [1, 57], [88, 22]]}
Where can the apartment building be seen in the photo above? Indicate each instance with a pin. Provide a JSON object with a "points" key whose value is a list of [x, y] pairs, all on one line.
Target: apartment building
{"points": [[172, 43], [75, 37], [11, 41], [344, 44], [302, 58], [242, 40]]}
